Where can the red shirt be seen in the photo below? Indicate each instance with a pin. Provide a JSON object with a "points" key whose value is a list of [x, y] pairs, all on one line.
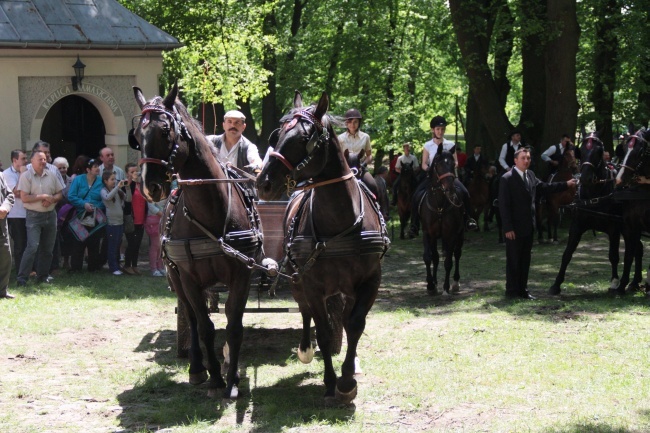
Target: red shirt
{"points": [[462, 159], [139, 206]]}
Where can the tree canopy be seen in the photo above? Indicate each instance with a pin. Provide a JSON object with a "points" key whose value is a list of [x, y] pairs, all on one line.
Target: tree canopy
{"points": [[544, 66]]}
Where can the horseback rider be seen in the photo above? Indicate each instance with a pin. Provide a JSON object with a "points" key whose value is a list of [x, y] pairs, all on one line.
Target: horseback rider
{"points": [[353, 139], [438, 125], [553, 155], [507, 154], [233, 147], [406, 158]]}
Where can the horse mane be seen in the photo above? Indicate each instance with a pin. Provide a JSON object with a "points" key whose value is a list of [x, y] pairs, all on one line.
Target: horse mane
{"points": [[195, 128]]}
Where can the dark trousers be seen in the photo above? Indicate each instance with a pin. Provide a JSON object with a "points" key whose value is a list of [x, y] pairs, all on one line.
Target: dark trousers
{"points": [[133, 241], [5, 258], [518, 252], [92, 245], [114, 236], [18, 233], [41, 235]]}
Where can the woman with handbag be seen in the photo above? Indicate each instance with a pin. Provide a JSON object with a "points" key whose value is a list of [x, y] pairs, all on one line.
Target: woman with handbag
{"points": [[135, 214], [85, 195]]}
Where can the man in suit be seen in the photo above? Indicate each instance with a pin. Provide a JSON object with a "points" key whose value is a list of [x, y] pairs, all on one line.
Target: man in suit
{"points": [[517, 191]]}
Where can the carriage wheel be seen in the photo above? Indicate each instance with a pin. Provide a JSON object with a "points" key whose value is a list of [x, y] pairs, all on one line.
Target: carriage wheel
{"points": [[183, 339], [335, 307]]}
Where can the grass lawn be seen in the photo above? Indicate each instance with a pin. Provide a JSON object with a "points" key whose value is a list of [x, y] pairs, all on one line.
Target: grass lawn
{"points": [[97, 353]]}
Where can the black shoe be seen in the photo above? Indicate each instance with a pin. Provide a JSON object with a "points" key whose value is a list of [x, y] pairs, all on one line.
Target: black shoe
{"points": [[21, 283], [520, 295], [46, 280]]}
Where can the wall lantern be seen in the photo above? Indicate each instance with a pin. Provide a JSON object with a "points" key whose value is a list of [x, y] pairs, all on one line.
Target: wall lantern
{"points": [[78, 74]]}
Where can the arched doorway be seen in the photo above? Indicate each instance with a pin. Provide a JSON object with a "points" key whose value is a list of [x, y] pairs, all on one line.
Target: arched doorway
{"points": [[73, 126]]}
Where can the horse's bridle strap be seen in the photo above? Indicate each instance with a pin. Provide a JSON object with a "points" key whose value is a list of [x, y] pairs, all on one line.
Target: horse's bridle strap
{"points": [[282, 159], [326, 182], [153, 161]]}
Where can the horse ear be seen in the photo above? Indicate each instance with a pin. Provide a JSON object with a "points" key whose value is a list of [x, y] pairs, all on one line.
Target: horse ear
{"points": [[346, 154], [139, 97], [452, 150], [360, 154], [297, 100], [169, 100], [322, 106]]}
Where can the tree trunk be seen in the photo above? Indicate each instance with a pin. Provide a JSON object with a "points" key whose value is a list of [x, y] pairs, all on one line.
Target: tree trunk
{"points": [[481, 84], [605, 65], [270, 117], [561, 51]]}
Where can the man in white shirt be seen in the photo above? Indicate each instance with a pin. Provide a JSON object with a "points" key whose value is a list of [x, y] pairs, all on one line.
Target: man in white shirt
{"points": [[16, 217], [233, 147], [507, 154], [405, 159], [553, 155], [107, 157]]}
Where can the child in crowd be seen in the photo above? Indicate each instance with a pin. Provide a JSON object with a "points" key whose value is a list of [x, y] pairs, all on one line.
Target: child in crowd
{"points": [[152, 227], [136, 207], [113, 198]]}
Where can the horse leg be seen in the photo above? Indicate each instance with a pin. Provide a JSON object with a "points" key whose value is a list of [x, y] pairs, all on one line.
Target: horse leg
{"points": [[448, 264], [556, 223], [428, 258], [458, 251], [197, 373], [346, 385], [305, 348], [206, 333], [402, 224], [323, 336], [614, 257], [630, 250], [575, 234], [635, 285], [237, 297]]}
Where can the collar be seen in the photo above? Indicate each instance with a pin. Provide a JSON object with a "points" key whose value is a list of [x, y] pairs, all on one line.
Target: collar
{"points": [[521, 173], [515, 145], [353, 135]]}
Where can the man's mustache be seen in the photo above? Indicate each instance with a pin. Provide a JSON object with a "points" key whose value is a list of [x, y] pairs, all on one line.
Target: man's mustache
{"points": [[233, 130]]}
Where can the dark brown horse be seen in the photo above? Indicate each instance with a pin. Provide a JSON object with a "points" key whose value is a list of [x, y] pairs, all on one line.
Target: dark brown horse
{"points": [[407, 185], [595, 210], [441, 213], [635, 175], [552, 203], [335, 235], [204, 226], [361, 172], [479, 193]]}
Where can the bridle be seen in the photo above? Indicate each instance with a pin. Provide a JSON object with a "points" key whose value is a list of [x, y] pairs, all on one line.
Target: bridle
{"points": [[439, 185], [317, 140], [179, 132], [643, 154]]}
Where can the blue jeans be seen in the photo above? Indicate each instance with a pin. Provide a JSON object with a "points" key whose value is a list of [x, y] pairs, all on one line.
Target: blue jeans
{"points": [[114, 236], [41, 234]]}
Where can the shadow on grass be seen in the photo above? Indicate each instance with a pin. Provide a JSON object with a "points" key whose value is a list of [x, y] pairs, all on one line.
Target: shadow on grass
{"points": [[158, 402], [590, 427]]}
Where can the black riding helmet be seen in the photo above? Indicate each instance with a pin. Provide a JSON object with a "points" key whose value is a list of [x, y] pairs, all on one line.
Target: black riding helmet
{"points": [[353, 113], [438, 121]]}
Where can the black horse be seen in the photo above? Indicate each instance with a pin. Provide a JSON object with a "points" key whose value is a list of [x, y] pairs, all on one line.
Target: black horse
{"points": [[441, 213], [594, 210], [207, 222], [335, 236], [635, 174]]}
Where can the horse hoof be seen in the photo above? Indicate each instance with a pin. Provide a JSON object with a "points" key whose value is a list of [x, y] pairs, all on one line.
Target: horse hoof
{"points": [[455, 287], [554, 290], [432, 290], [346, 397], [307, 356], [198, 378], [613, 285], [234, 393], [357, 366]]}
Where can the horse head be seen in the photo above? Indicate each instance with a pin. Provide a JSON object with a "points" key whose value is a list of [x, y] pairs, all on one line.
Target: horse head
{"points": [[569, 161], [637, 159], [354, 160], [163, 137], [305, 145], [443, 175], [593, 167]]}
